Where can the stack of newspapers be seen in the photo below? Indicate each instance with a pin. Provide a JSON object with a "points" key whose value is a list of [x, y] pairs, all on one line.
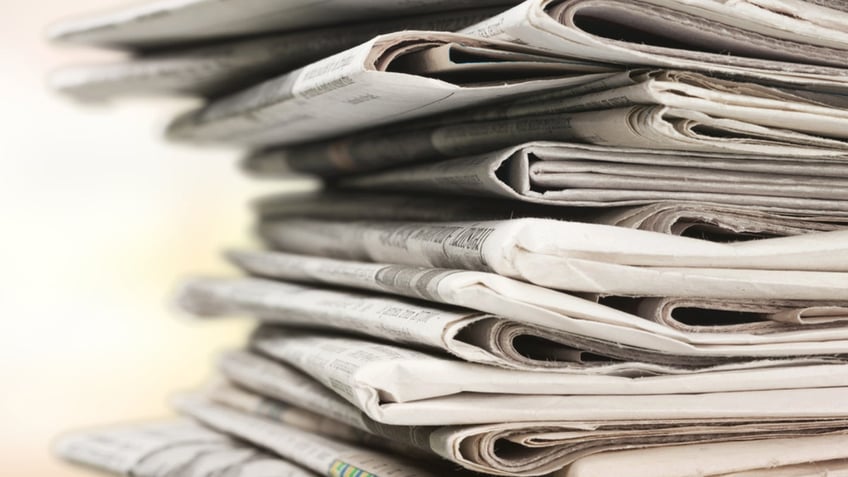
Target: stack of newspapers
{"points": [[560, 237]]}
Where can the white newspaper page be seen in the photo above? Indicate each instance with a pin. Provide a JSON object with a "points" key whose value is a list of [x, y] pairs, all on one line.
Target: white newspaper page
{"points": [[165, 448], [399, 386], [391, 78], [467, 334], [224, 67], [653, 328], [587, 257], [793, 42], [316, 453], [164, 22], [535, 448]]}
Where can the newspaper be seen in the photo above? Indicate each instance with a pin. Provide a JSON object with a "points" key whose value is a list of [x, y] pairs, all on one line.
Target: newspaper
{"points": [[459, 133], [160, 23], [319, 454], [694, 219], [651, 110], [635, 127], [578, 175], [534, 448], [224, 67], [501, 448], [400, 386], [792, 41], [795, 328], [587, 257], [169, 448], [467, 334], [390, 78]]}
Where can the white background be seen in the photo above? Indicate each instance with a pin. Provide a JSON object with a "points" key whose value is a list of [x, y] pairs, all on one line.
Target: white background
{"points": [[100, 219]]}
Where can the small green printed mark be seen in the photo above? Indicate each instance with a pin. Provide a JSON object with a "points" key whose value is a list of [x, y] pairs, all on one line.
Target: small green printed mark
{"points": [[343, 469]]}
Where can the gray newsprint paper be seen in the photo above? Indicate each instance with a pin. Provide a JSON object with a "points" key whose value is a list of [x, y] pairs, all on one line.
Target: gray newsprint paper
{"points": [[501, 321], [274, 391], [167, 22], [169, 448], [584, 257], [396, 385], [223, 67], [393, 77], [792, 41]]}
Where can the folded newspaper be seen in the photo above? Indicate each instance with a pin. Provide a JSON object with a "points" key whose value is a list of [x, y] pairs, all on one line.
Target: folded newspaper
{"points": [[792, 41], [168, 448], [655, 110], [393, 77], [530, 304], [810, 449], [396, 385], [584, 257], [226, 66], [578, 175], [163, 23], [496, 448], [500, 321], [695, 219]]}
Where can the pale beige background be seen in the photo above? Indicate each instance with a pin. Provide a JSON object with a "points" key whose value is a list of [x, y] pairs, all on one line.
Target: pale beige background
{"points": [[100, 218]]}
